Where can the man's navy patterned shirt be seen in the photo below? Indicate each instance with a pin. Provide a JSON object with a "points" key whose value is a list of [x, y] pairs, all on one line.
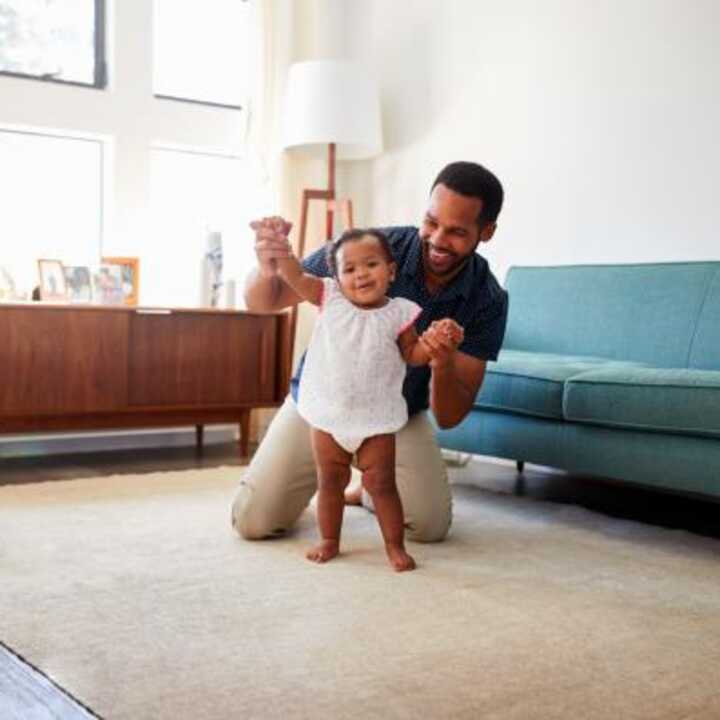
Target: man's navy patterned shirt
{"points": [[474, 299]]}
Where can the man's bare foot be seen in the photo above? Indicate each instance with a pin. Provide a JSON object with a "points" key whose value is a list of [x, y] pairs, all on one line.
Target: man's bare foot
{"points": [[399, 559], [326, 550], [353, 495]]}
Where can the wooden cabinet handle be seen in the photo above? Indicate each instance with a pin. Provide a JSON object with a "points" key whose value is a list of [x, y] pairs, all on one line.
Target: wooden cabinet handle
{"points": [[152, 311]]}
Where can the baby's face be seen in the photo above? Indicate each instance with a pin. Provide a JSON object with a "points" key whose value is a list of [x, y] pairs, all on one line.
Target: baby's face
{"points": [[364, 271]]}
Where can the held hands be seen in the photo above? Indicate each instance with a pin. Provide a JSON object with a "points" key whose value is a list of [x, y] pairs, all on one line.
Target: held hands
{"points": [[271, 243], [441, 340]]}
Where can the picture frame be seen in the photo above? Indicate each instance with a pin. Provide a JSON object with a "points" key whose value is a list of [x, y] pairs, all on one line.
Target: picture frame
{"points": [[107, 284], [130, 277], [78, 281], [8, 292], [52, 285]]}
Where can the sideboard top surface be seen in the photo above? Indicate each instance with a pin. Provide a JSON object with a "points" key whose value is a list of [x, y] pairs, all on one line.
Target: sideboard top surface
{"points": [[39, 305]]}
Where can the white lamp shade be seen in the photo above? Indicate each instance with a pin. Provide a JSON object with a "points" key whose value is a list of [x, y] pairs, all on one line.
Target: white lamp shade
{"points": [[332, 101]]}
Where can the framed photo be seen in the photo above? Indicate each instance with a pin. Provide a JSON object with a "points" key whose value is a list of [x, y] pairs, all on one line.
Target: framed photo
{"points": [[52, 280], [130, 276], [7, 285], [108, 285], [79, 283]]}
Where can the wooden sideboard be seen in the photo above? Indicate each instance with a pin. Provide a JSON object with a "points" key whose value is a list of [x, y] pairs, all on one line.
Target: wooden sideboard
{"points": [[69, 367]]}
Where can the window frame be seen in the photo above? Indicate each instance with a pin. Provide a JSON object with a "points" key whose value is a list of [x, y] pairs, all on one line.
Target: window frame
{"points": [[100, 79]]}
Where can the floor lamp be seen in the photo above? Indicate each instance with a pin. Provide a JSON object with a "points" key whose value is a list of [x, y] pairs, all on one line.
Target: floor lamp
{"points": [[332, 103]]}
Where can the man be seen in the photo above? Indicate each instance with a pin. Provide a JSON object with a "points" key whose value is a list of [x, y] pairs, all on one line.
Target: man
{"points": [[438, 268]]}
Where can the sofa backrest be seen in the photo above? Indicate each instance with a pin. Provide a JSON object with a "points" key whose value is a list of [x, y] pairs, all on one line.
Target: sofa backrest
{"points": [[665, 314], [705, 349]]}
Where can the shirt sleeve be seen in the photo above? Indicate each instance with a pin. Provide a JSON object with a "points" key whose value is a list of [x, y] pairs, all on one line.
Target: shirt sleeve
{"points": [[406, 315], [484, 335], [316, 263]]}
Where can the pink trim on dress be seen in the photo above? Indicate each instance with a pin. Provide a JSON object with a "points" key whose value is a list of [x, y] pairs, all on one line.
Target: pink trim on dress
{"points": [[409, 323]]}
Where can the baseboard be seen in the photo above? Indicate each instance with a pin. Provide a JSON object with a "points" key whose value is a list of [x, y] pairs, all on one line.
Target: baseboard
{"points": [[64, 443]]}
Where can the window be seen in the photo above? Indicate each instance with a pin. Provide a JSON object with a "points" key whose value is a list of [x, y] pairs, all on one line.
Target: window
{"points": [[54, 40], [192, 195], [51, 190], [201, 51]]}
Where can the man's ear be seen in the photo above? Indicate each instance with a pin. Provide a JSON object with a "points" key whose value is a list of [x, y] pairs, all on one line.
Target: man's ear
{"points": [[487, 231]]}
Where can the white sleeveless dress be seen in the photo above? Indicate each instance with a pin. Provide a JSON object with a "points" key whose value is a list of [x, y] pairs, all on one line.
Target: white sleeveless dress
{"points": [[351, 385]]}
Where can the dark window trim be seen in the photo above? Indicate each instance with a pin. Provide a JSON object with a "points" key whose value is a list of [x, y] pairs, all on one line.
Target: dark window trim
{"points": [[210, 103], [101, 75], [100, 80]]}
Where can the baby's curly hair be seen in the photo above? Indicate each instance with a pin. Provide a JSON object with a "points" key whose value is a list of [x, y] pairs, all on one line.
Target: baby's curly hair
{"points": [[357, 234]]}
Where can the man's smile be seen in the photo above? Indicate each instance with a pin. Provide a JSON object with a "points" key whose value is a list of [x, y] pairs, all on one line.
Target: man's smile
{"points": [[439, 257]]}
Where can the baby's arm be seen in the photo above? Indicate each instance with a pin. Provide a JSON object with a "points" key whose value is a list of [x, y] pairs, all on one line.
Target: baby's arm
{"points": [[415, 350], [412, 348], [308, 287]]}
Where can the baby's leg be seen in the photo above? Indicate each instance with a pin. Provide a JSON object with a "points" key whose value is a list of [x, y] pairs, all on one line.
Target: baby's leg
{"points": [[333, 468], [376, 460]]}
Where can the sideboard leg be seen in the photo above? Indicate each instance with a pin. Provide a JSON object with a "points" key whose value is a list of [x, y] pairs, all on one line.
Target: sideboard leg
{"points": [[245, 434], [199, 432]]}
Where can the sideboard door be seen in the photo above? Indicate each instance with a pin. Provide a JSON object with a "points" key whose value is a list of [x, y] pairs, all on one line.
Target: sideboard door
{"points": [[61, 360], [196, 358]]}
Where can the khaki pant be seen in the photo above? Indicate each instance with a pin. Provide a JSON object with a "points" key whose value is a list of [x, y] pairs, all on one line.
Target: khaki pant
{"points": [[281, 480]]}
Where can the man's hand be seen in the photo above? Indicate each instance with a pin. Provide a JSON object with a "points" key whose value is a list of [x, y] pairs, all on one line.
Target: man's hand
{"points": [[456, 376], [271, 243], [441, 340]]}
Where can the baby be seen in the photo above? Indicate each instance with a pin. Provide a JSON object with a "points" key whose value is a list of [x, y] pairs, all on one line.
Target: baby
{"points": [[351, 387]]}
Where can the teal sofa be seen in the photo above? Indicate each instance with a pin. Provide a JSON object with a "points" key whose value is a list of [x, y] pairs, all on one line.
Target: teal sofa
{"points": [[607, 370]]}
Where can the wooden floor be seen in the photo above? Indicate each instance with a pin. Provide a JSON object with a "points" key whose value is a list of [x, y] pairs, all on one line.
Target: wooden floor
{"points": [[26, 693], [100, 464]]}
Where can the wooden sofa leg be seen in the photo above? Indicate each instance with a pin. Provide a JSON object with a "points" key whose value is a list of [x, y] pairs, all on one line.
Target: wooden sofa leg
{"points": [[520, 488]]}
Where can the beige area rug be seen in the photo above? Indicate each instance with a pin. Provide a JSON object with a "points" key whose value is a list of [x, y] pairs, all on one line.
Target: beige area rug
{"points": [[133, 594]]}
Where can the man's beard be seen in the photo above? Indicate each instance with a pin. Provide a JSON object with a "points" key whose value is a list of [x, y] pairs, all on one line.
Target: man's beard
{"points": [[457, 261]]}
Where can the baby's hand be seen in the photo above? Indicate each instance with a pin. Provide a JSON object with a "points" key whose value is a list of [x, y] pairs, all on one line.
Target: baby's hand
{"points": [[441, 340], [271, 242], [272, 226], [449, 329]]}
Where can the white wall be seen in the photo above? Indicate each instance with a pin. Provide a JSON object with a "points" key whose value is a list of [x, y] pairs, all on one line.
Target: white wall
{"points": [[601, 119]]}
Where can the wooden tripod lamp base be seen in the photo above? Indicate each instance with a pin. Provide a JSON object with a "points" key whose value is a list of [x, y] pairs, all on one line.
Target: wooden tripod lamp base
{"points": [[343, 207]]}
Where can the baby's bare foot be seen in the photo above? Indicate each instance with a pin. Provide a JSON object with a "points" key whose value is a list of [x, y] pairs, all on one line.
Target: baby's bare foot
{"points": [[323, 552], [353, 495], [399, 559]]}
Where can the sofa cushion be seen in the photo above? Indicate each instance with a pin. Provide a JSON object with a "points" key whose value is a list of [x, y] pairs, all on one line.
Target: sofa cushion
{"points": [[533, 383], [666, 400]]}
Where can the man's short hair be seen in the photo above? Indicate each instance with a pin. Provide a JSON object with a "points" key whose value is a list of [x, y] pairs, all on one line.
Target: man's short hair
{"points": [[474, 180]]}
